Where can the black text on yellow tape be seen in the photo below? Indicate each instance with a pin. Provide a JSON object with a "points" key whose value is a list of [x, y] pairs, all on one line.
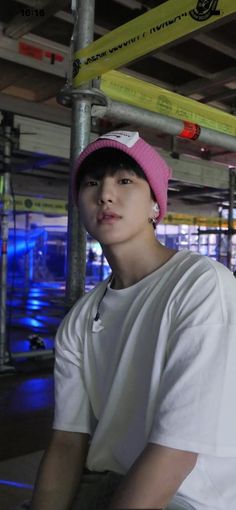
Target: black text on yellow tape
{"points": [[127, 89], [23, 203], [154, 29]]}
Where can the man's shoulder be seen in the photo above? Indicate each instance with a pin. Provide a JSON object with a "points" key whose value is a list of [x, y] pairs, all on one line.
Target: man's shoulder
{"points": [[199, 275], [199, 264], [217, 270]]}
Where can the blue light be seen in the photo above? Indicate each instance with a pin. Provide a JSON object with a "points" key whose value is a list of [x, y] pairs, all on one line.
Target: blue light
{"points": [[35, 304], [20, 248], [29, 322], [21, 346], [49, 320], [22, 242], [34, 394], [35, 292], [38, 160], [34, 385], [16, 484]]}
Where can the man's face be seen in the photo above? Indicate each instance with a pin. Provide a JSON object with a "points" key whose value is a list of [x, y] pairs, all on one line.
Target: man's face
{"points": [[127, 195]]}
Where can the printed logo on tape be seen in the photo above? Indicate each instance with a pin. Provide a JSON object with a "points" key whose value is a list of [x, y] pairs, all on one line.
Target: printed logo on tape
{"points": [[28, 203], [124, 137], [204, 10]]}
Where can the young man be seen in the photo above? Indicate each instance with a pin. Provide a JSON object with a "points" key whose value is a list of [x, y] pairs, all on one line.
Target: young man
{"points": [[145, 370]]}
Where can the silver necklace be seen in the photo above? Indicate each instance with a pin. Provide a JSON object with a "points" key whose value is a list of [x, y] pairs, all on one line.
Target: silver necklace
{"points": [[97, 316]]}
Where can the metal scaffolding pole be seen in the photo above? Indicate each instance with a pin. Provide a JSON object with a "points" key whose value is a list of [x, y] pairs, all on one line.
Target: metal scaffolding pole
{"points": [[141, 117], [80, 137], [231, 231], [7, 124], [5, 355]]}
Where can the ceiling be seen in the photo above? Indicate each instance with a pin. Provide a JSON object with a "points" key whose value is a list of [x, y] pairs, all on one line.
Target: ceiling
{"points": [[202, 67]]}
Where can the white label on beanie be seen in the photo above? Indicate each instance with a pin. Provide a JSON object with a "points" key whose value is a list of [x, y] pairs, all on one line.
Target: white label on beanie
{"points": [[128, 138]]}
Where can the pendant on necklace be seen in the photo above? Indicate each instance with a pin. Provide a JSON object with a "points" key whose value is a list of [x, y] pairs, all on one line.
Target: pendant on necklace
{"points": [[97, 326]]}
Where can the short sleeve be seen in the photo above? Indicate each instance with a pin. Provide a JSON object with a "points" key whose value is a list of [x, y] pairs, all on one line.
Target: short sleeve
{"points": [[196, 403], [196, 408], [73, 411]]}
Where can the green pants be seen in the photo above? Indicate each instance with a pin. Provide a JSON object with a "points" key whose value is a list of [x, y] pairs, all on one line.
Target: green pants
{"points": [[96, 491]]}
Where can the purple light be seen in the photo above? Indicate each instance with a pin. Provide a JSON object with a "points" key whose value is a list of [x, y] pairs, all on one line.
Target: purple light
{"points": [[16, 484]]}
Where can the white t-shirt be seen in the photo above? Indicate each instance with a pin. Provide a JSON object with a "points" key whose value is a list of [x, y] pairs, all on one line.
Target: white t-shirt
{"points": [[158, 367]]}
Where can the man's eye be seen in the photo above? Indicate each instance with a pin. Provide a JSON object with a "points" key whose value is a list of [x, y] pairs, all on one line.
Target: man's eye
{"points": [[126, 179], [88, 182]]}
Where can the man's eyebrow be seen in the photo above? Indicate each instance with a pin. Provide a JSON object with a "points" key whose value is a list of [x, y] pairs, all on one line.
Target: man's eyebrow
{"points": [[129, 170]]}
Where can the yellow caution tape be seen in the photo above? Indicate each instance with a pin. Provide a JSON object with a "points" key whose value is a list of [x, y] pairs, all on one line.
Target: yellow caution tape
{"points": [[127, 89], [1, 184], [146, 33], [32, 204], [198, 221], [25, 203]]}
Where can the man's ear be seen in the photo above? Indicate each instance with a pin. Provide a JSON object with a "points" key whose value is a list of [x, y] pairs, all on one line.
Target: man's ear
{"points": [[156, 209]]}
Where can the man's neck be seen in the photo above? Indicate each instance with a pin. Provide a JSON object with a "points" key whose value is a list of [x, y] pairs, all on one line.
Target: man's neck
{"points": [[119, 283]]}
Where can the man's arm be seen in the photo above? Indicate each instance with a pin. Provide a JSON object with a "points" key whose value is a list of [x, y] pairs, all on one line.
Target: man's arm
{"points": [[60, 471], [154, 478]]}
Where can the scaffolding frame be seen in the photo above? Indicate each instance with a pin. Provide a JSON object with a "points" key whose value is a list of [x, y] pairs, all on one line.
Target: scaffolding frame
{"points": [[125, 113], [87, 102]]}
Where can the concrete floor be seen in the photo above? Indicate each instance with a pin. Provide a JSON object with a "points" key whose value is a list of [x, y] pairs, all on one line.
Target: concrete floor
{"points": [[26, 395], [26, 409], [20, 471]]}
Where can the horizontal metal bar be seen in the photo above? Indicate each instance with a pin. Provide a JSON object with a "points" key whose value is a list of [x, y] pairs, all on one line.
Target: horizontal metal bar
{"points": [[33, 354], [170, 125], [226, 231], [35, 110]]}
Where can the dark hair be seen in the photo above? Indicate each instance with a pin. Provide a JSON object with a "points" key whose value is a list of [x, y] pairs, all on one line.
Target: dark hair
{"points": [[108, 161]]}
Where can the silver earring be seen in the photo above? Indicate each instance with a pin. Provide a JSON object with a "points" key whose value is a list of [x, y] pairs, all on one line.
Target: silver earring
{"points": [[153, 221]]}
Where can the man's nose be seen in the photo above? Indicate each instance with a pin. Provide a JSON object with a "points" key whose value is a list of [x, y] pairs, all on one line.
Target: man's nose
{"points": [[106, 188]]}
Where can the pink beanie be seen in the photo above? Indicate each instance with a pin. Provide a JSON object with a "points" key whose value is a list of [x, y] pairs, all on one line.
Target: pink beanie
{"points": [[155, 168]]}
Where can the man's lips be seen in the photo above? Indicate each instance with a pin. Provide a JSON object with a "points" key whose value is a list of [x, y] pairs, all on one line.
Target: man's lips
{"points": [[109, 219], [108, 215]]}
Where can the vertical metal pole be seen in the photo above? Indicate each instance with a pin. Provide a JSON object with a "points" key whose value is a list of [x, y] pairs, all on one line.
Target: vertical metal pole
{"points": [[220, 235], [4, 356], [231, 215], [80, 137], [27, 253]]}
